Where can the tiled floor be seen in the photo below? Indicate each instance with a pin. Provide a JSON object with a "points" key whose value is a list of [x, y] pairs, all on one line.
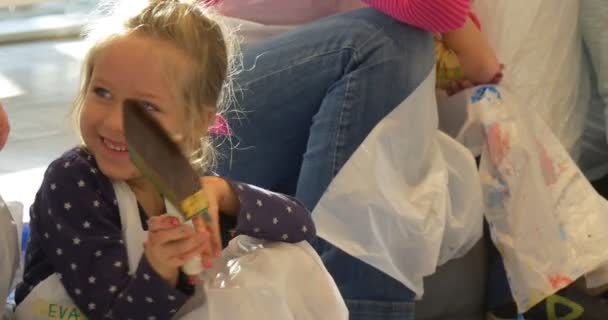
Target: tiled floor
{"points": [[38, 81]]}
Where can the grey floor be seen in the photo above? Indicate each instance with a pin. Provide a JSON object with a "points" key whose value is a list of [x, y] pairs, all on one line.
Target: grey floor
{"points": [[38, 81]]}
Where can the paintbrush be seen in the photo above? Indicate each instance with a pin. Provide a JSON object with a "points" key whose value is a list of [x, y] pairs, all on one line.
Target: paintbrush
{"points": [[161, 161]]}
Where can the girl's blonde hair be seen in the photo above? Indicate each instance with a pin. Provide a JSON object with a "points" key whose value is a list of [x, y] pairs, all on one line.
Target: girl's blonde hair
{"points": [[185, 25]]}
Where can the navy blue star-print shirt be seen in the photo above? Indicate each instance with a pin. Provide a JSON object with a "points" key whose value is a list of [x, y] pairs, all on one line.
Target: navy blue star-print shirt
{"points": [[75, 231]]}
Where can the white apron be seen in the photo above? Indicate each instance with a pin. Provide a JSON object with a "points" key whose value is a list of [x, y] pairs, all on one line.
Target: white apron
{"points": [[50, 300], [268, 283]]}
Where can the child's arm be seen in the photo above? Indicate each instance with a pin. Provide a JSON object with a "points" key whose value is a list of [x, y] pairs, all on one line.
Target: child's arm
{"points": [[271, 216], [477, 58], [77, 229]]}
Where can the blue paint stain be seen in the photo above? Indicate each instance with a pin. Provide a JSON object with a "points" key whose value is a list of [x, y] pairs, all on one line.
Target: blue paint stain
{"points": [[495, 199], [481, 92], [562, 233]]}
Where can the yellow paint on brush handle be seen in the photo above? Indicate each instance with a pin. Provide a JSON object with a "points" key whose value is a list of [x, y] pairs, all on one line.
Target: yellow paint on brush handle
{"points": [[196, 205]]}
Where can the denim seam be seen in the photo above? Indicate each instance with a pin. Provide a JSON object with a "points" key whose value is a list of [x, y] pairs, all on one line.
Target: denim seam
{"points": [[345, 109]]}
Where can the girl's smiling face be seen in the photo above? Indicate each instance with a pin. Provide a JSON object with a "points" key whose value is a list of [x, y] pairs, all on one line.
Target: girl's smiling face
{"points": [[129, 67]]}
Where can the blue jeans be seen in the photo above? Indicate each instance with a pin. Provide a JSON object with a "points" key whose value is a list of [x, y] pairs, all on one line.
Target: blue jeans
{"points": [[307, 99]]}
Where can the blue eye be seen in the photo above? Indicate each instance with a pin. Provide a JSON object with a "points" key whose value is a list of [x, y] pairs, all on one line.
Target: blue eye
{"points": [[102, 93]]}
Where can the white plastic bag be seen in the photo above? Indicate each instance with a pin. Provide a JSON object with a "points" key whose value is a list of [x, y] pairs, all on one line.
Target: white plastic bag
{"points": [[546, 220], [408, 199], [539, 42], [9, 252], [257, 279]]}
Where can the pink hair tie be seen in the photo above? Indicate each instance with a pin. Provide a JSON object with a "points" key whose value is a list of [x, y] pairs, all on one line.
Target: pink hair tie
{"points": [[220, 126]]}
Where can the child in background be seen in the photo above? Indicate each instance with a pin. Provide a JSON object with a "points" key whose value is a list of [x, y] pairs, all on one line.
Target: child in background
{"points": [[173, 58], [9, 247], [4, 127]]}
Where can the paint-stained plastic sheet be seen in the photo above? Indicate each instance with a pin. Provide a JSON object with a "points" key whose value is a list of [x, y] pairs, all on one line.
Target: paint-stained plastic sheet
{"points": [[547, 221]]}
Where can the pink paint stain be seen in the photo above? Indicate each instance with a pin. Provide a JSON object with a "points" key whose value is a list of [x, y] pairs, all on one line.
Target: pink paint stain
{"points": [[220, 126], [559, 281], [546, 164], [498, 143]]}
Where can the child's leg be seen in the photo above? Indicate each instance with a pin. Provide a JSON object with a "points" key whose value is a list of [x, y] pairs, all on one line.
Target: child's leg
{"points": [[594, 22], [313, 96]]}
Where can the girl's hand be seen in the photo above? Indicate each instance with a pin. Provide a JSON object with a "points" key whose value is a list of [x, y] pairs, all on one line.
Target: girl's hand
{"points": [[221, 198], [170, 244]]}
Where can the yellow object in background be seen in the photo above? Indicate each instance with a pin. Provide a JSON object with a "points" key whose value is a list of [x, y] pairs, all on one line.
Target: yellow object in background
{"points": [[447, 64]]}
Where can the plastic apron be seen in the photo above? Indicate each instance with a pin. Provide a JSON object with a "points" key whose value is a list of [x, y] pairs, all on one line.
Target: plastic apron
{"points": [[50, 300], [408, 199], [9, 251], [545, 218], [269, 283]]}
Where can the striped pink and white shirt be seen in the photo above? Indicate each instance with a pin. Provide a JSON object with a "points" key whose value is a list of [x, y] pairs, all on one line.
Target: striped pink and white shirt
{"points": [[430, 15]]}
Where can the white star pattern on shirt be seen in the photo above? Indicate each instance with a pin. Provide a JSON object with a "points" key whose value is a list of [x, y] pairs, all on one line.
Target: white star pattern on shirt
{"points": [[92, 280], [74, 266], [256, 230], [172, 298], [53, 186], [149, 300], [275, 221], [93, 170], [285, 236], [151, 318], [146, 277], [58, 227], [77, 292], [96, 204], [240, 186], [67, 164], [112, 289], [259, 203], [46, 235], [304, 229], [289, 209], [248, 216], [115, 202], [91, 306], [86, 225], [67, 206], [50, 212], [129, 299], [172, 311], [80, 184], [98, 253], [59, 252], [118, 264], [76, 241]]}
